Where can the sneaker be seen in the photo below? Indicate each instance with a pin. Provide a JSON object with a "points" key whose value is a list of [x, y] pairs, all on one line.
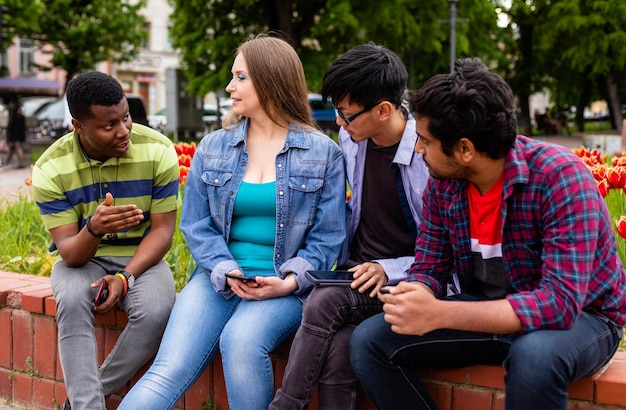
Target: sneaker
{"points": [[66, 405]]}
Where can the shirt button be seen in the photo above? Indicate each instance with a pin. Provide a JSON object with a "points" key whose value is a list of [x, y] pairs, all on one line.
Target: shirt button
{"points": [[278, 255], [216, 181], [281, 193], [303, 186], [280, 165], [281, 225], [106, 185]]}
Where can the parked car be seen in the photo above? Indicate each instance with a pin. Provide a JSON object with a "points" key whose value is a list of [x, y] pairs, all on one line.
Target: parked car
{"points": [[324, 114], [51, 117], [31, 105], [158, 120]]}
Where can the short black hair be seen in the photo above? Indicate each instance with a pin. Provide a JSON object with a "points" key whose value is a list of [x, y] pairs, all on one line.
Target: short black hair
{"points": [[366, 74], [472, 102], [92, 88]]}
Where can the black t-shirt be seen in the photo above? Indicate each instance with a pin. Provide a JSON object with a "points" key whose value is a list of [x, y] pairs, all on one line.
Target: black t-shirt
{"points": [[383, 232]]}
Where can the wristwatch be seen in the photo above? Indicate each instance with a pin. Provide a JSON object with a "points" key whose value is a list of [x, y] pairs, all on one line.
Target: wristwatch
{"points": [[130, 279]]}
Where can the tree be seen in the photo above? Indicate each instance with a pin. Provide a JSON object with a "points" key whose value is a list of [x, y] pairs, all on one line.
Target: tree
{"points": [[17, 15], [584, 44], [78, 34], [208, 32]]}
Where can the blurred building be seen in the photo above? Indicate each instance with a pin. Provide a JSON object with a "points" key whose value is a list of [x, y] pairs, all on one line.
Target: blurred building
{"points": [[144, 76]]}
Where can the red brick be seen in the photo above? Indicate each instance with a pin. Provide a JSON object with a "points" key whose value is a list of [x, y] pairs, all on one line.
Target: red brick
{"points": [[113, 402], [219, 385], [99, 335], [44, 356], [441, 394], [121, 319], [60, 394], [200, 391], [611, 385], [498, 401], [43, 393], [582, 389], [34, 299], [107, 319], [22, 388], [50, 306], [23, 340], [6, 338], [488, 376], [59, 369], [471, 399], [110, 339], [6, 383], [619, 356]]}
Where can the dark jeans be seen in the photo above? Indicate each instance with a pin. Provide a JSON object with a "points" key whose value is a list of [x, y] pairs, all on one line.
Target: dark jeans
{"points": [[540, 365], [319, 353]]}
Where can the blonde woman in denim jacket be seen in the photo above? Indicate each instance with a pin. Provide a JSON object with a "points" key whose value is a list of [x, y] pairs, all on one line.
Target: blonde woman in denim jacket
{"points": [[268, 143]]}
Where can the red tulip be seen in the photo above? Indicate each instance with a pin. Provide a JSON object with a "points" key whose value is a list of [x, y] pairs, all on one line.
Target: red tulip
{"points": [[603, 187], [616, 177], [621, 226]]}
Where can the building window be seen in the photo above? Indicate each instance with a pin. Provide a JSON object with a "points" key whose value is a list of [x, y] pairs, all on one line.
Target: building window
{"points": [[168, 43], [146, 41], [26, 57]]}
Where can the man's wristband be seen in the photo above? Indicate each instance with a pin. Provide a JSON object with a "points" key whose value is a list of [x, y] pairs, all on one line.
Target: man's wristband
{"points": [[95, 235], [124, 281]]}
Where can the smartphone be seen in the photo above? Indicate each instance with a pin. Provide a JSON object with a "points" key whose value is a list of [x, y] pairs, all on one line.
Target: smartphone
{"points": [[241, 278], [330, 277], [102, 293]]}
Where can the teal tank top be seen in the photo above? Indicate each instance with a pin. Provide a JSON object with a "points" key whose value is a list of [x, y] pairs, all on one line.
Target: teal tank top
{"points": [[253, 230]]}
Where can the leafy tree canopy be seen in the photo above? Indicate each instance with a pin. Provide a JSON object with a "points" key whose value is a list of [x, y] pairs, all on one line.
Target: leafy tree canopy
{"points": [[208, 32], [78, 34]]}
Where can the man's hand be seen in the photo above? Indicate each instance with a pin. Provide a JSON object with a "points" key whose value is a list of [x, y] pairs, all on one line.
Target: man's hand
{"points": [[369, 275], [116, 290], [113, 219], [411, 308]]}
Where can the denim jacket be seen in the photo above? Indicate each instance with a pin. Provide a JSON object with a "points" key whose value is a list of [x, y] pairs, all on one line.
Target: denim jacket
{"points": [[310, 204], [414, 177]]}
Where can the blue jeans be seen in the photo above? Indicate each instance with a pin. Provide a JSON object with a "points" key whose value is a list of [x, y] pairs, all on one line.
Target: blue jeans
{"points": [[540, 365], [319, 353], [247, 331], [147, 304]]}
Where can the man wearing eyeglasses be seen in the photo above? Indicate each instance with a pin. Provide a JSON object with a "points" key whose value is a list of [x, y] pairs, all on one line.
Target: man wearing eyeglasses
{"points": [[386, 178]]}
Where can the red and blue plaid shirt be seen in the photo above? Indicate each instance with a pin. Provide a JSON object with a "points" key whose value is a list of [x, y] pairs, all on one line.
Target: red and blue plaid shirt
{"points": [[558, 245]]}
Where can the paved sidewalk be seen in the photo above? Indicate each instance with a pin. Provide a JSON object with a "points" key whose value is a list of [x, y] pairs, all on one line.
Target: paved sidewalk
{"points": [[13, 181]]}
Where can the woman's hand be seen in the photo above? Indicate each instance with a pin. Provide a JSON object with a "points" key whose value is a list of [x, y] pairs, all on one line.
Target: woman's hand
{"points": [[265, 287]]}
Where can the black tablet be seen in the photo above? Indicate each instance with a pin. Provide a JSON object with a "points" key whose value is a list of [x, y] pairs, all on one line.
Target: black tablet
{"points": [[330, 277]]}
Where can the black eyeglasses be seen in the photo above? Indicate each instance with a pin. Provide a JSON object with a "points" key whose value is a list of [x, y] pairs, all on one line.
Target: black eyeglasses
{"points": [[351, 118]]}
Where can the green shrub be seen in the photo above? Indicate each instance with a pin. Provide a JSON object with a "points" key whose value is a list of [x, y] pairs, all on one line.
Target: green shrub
{"points": [[24, 248]]}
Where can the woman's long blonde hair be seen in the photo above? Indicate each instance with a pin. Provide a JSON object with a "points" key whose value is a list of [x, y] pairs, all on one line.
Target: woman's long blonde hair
{"points": [[278, 78]]}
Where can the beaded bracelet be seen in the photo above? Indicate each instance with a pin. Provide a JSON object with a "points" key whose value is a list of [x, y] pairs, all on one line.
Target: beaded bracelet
{"points": [[124, 281], [95, 235]]}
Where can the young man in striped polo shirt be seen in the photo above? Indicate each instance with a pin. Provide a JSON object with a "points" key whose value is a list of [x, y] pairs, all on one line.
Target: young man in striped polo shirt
{"points": [[108, 194]]}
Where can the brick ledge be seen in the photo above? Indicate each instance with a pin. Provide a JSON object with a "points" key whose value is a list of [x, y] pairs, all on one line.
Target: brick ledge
{"points": [[30, 372]]}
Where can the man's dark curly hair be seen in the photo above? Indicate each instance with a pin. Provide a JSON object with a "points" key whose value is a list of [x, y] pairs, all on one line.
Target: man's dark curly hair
{"points": [[472, 102], [366, 74], [92, 88]]}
